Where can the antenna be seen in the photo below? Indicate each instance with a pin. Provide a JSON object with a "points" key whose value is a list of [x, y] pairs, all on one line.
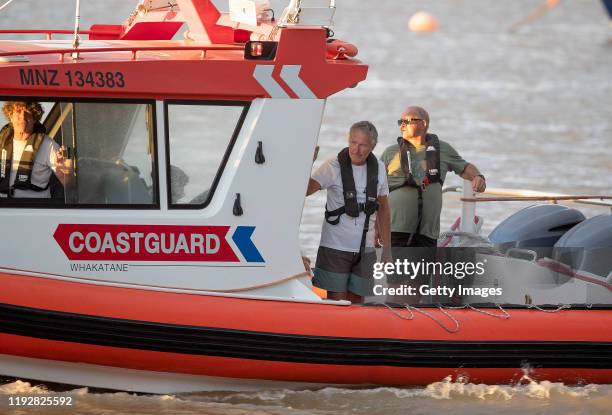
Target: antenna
{"points": [[6, 4], [77, 18]]}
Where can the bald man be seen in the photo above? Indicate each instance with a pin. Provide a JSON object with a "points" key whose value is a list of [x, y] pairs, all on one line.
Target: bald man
{"points": [[416, 169]]}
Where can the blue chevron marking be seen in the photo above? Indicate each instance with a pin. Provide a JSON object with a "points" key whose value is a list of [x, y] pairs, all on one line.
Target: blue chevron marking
{"points": [[242, 239]]}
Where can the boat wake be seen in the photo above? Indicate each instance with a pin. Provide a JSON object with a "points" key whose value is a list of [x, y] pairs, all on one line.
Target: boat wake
{"points": [[527, 387], [444, 389], [388, 400]]}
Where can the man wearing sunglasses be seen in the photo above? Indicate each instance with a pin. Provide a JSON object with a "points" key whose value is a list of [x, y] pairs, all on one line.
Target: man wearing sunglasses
{"points": [[416, 168]]}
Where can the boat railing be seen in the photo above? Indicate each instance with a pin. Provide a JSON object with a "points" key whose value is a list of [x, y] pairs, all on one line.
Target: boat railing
{"points": [[133, 49], [521, 195], [469, 200], [309, 13], [584, 199]]}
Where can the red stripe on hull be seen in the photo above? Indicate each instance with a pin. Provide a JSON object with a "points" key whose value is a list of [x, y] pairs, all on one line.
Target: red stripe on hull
{"points": [[281, 371]]}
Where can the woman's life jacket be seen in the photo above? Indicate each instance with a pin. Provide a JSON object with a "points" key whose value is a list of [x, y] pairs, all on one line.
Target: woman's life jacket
{"points": [[23, 176]]}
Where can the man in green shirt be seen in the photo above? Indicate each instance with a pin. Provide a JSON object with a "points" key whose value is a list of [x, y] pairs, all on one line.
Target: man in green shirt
{"points": [[416, 169]]}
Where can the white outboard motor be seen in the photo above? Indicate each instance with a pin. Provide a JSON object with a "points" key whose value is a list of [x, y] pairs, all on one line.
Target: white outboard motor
{"points": [[588, 246], [536, 228]]}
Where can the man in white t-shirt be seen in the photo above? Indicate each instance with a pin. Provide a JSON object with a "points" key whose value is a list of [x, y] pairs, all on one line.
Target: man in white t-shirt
{"points": [[346, 252], [28, 156]]}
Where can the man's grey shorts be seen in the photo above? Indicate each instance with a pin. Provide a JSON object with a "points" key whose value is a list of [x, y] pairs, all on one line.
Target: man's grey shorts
{"points": [[337, 271]]}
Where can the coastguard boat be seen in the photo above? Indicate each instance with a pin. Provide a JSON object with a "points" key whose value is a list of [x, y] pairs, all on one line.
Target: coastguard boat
{"points": [[170, 261]]}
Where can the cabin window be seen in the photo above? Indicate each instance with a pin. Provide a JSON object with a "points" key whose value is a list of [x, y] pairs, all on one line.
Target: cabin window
{"points": [[200, 139], [111, 146]]}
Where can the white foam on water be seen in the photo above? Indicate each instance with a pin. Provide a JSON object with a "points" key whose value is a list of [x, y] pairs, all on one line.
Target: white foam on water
{"points": [[19, 387], [449, 389]]}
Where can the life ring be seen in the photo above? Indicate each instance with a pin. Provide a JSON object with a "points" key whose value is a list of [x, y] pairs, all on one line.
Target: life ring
{"points": [[339, 49]]}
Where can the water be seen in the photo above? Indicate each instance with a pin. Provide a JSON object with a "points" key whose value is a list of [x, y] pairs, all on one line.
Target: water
{"points": [[530, 109], [440, 397]]}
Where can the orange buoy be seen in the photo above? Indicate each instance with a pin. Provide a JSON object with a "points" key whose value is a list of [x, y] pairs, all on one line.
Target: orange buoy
{"points": [[422, 22]]}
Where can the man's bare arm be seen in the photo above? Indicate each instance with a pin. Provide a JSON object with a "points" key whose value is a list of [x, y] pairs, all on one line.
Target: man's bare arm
{"points": [[471, 173], [313, 186]]}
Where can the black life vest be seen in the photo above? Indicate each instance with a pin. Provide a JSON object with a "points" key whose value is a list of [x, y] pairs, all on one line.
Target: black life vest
{"points": [[23, 177], [351, 207], [432, 160], [432, 175]]}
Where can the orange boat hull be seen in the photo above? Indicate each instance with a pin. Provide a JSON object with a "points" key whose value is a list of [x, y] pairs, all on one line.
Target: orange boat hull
{"points": [[295, 342]]}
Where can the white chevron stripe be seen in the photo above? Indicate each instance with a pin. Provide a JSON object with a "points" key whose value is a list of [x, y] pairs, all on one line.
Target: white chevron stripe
{"points": [[263, 75], [291, 75]]}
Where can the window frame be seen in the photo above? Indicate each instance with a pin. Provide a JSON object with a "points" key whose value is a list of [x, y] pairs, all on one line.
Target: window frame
{"points": [[228, 151], [36, 203]]}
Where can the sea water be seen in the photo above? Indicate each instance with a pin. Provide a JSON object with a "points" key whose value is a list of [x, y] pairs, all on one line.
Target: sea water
{"points": [[444, 396]]}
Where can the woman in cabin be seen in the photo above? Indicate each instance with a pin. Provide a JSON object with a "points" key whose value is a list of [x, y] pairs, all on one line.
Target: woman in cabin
{"points": [[28, 156]]}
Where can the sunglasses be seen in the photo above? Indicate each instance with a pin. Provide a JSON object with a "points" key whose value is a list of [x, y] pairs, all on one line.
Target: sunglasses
{"points": [[408, 121]]}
